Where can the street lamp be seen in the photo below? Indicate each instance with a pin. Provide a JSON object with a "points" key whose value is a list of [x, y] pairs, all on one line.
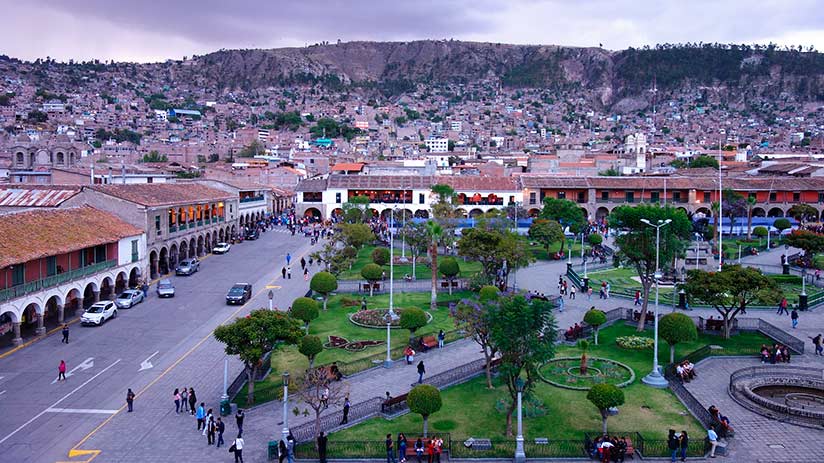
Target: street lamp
{"points": [[390, 315], [285, 431], [654, 378], [403, 235], [520, 456]]}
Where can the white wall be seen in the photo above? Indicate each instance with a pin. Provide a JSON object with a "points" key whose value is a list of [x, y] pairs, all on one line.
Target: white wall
{"points": [[124, 249]]}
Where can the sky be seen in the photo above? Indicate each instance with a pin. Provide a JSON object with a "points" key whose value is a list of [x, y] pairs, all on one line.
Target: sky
{"points": [[152, 30]]}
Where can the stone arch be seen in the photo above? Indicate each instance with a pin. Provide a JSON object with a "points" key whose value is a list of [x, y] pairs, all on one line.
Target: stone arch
{"points": [[220, 237], [31, 312], [89, 294], [134, 276], [386, 213], [421, 214], [192, 247], [163, 262], [775, 212], [53, 308], [174, 255], [207, 242], [460, 213], [153, 264], [533, 213], [601, 213], [585, 212], [107, 289], [20, 158], [61, 158], [475, 213], [183, 250], [337, 212], [704, 211], [72, 300], [214, 239], [121, 282], [759, 212], [200, 245], [12, 315], [233, 233], [684, 210], [315, 213]]}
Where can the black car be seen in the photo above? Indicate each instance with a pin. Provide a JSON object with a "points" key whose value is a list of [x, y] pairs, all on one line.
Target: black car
{"points": [[252, 235], [239, 293]]}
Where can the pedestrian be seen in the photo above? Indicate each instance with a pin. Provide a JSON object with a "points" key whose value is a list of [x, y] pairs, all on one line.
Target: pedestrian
{"points": [[402, 444], [421, 371], [782, 306], [130, 400], [390, 450], [192, 401], [288, 258], [176, 396], [819, 349], [572, 292], [289, 272], [794, 317], [322, 439], [607, 289], [441, 338], [200, 415], [184, 400], [211, 428], [324, 397], [346, 406], [673, 444], [238, 446], [589, 293], [683, 444], [282, 451], [283, 272], [419, 448], [437, 445], [363, 303], [290, 448], [209, 417], [637, 297], [712, 436], [302, 263], [65, 334], [221, 427], [239, 420], [145, 288], [561, 303], [306, 274], [61, 371]]}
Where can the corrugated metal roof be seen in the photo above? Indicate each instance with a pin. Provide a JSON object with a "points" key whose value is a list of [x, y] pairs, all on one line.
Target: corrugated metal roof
{"points": [[35, 197]]}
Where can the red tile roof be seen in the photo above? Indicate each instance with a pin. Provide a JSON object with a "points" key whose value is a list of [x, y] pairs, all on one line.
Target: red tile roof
{"points": [[163, 194], [348, 167], [35, 234]]}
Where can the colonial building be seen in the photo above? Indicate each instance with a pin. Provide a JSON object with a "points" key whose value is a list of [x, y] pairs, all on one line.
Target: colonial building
{"points": [[32, 161], [54, 262]]}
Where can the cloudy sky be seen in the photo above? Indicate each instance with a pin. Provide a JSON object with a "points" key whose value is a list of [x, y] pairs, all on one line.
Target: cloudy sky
{"points": [[153, 30]]}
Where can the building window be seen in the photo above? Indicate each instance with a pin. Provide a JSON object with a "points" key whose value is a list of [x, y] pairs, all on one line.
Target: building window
{"points": [[676, 196], [511, 200], [51, 265], [581, 198], [707, 197], [773, 196], [562, 195], [157, 224], [337, 198], [532, 197], [654, 197], [630, 197], [796, 197], [421, 198], [135, 252], [18, 274], [605, 196], [821, 197], [100, 253]]}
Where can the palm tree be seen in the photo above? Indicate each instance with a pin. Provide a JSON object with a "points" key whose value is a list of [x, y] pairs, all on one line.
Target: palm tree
{"points": [[750, 205], [435, 231]]}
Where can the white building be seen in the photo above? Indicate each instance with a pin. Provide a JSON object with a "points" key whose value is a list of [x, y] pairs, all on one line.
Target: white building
{"points": [[437, 145]]}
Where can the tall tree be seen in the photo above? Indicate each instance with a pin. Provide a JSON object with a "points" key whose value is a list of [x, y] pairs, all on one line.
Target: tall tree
{"points": [[637, 242], [356, 234], [498, 250], [751, 202], [566, 213], [424, 399], [803, 213], [356, 210], [811, 243], [319, 393], [472, 315], [735, 205], [523, 331], [417, 239], [546, 232], [251, 337], [731, 290], [434, 231]]}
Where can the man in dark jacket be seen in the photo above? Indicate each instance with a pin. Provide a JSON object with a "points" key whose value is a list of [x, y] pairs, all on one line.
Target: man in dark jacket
{"points": [[322, 439]]}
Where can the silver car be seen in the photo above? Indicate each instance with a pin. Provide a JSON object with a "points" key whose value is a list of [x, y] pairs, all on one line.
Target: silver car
{"points": [[165, 288], [187, 267], [129, 298]]}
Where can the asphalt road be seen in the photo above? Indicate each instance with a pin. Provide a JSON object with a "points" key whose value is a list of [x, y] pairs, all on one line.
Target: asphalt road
{"points": [[158, 344]]}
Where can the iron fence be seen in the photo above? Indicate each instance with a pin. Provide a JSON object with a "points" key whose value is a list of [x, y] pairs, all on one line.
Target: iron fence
{"points": [[333, 421]]}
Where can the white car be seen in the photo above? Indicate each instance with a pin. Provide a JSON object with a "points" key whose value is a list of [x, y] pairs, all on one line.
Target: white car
{"points": [[221, 248], [129, 298], [98, 313]]}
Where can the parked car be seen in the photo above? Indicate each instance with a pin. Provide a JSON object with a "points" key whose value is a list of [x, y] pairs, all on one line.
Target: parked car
{"points": [[187, 267], [165, 288], [252, 235], [239, 293], [129, 298], [98, 313], [221, 248]]}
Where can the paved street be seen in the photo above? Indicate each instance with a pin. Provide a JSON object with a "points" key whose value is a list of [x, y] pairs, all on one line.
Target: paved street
{"points": [[43, 420]]}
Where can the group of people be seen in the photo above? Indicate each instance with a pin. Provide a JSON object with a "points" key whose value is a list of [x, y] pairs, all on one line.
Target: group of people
{"points": [[608, 448], [212, 427], [720, 423], [677, 443], [430, 449], [778, 353], [574, 332], [686, 371], [603, 293]]}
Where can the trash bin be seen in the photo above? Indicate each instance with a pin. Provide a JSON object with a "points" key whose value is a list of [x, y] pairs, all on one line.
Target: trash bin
{"points": [[225, 408], [273, 449]]}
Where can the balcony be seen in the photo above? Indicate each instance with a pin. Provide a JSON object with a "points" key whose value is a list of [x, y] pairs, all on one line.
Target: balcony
{"points": [[54, 280], [252, 199], [199, 223], [182, 227], [172, 228]]}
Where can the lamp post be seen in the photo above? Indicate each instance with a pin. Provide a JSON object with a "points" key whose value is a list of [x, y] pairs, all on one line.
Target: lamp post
{"points": [[390, 315], [654, 378], [802, 299], [285, 431], [720, 215], [271, 297], [520, 456], [225, 396], [403, 226]]}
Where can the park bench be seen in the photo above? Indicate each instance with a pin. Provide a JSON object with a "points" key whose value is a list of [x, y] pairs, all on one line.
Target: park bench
{"points": [[714, 325], [636, 315], [428, 342], [387, 405]]}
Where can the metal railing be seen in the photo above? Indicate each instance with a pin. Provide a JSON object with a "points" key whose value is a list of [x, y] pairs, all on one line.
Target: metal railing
{"points": [[55, 280], [331, 421], [251, 199]]}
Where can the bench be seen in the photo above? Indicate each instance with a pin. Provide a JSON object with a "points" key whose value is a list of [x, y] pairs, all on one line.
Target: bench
{"points": [[387, 405], [714, 325], [410, 446], [428, 342], [636, 315]]}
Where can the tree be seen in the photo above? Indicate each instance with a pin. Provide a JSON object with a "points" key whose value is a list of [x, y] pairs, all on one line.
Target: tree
{"points": [[751, 202], [523, 331], [731, 290], [450, 269], [312, 390], [735, 205], [380, 256], [251, 337], [782, 224], [760, 232], [306, 310], [154, 156], [566, 213], [488, 293], [472, 315], [803, 213], [417, 239], [595, 318], [356, 234], [676, 327], [324, 283], [546, 232], [637, 242], [605, 396], [704, 161], [413, 318], [356, 210], [434, 231], [310, 346], [498, 250], [252, 149], [811, 243], [595, 239], [371, 273], [583, 344], [424, 399]]}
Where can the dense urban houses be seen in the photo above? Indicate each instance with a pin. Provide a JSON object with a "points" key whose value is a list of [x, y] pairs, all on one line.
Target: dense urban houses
{"points": [[181, 220], [56, 261], [324, 197]]}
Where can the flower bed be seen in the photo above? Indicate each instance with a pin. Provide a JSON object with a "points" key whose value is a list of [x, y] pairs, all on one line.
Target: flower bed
{"points": [[376, 318], [634, 342], [565, 372]]}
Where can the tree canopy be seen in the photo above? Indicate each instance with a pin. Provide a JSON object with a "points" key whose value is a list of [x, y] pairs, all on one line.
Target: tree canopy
{"points": [[324, 283], [605, 396], [595, 318], [546, 232], [305, 309], [380, 256], [493, 247], [812, 243], [310, 346], [676, 327], [565, 212], [356, 234], [424, 400]]}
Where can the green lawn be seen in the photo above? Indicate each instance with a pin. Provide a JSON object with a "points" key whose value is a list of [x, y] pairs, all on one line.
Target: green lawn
{"points": [[568, 413], [335, 321], [539, 251], [422, 271]]}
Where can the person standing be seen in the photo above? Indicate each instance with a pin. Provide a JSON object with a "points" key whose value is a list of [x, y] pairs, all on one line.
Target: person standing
{"points": [[282, 451], [209, 417], [712, 436], [283, 272], [192, 401], [819, 349], [221, 427], [441, 338], [238, 444], [289, 272], [306, 274], [322, 439], [419, 448], [61, 371], [421, 371], [402, 444], [288, 258], [211, 428], [184, 400], [390, 450], [683, 444], [346, 406], [145, 288], [572, 292], [290, 448], [673, 444], [794, 318], [200, 415], [130, 400], [65, 332], [302, 263], [176, 397], [239, 420]]}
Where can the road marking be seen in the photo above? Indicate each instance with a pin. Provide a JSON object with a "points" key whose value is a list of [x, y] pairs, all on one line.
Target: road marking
{"points": [[81, 410], [37, 338], [146, 364], [272, 287], [2, 392], [88, 363], [58, 402]]}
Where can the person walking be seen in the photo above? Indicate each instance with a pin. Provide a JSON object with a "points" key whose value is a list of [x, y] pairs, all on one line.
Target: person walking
{"points": [[65, 332], [794, 318], [192, 400], [130, 400], [390, 449], [346, 406], [441, 338], [322, 439], [421, 371], [282, 451], [289, 272], [306, 274], [290, 448], [683, 444], [288, 258], [302, 263], [239, 420], [221, 427], [211, 428], [238, 445], [712, 436], [176, 397], [61, 371], [819, 349], [782, 306], [283, 272], [572, 292], [637, 298], [200, 415], [560, 302]]}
